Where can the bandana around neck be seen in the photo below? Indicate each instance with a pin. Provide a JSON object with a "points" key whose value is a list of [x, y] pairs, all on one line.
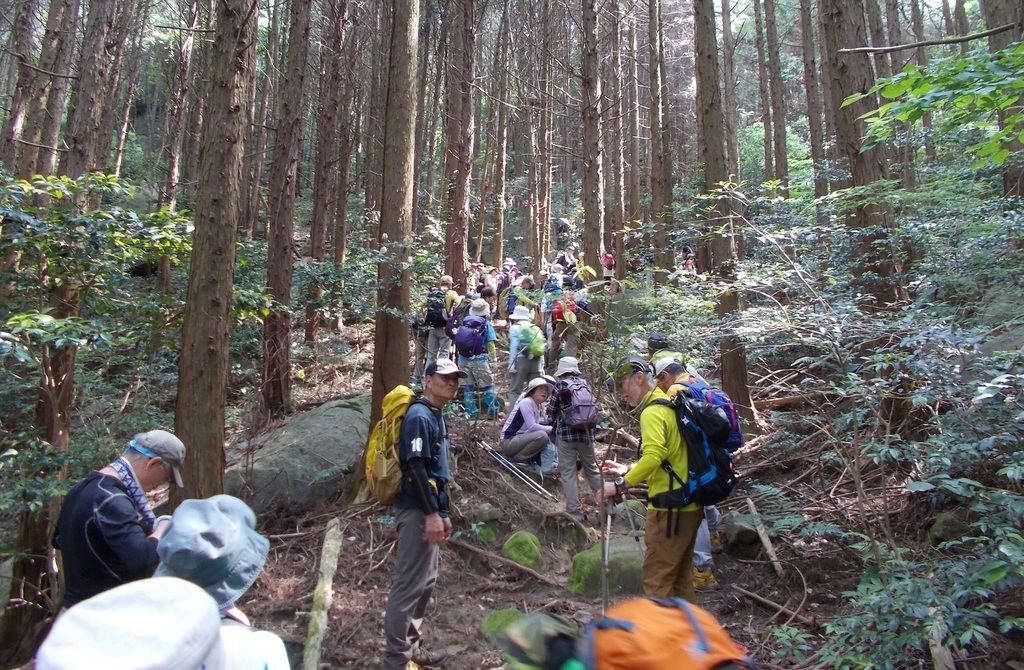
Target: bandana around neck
{"points": [[124, 470]]}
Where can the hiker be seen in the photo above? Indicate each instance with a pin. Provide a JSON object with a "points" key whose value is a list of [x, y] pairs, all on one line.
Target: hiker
{"points": [[669, 533], [667, 372], [106, 531], [149, 623], [474, 343], [523, 436], [421, 518], [213, 543], [608, 266], [517, 294], [419, 332], [565, 338], [441, 302], [574, 441], [526, 347], [656, 342], [567, 259]]}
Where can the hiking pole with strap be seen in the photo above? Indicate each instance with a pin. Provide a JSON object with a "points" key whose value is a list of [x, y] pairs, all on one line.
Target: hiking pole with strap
{"points": [[514, 469]]}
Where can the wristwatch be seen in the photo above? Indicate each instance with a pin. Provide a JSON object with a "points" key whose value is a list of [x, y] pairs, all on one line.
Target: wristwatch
{"points": [[620, 484]]}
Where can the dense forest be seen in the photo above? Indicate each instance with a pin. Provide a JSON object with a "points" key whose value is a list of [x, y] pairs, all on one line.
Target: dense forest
{"points": [[195, 195]]}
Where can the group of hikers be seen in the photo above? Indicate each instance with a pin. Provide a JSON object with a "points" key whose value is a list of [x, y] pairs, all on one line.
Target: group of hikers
{"points": [[182, 574]]}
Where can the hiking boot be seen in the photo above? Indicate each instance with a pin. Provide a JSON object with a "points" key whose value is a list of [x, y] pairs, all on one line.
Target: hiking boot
{"points": [[716, 543], [411, 665], [422, 657], [703, 579]]}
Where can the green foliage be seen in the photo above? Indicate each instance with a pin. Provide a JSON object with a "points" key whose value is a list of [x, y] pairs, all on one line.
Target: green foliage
{"points": [[961, 91]]}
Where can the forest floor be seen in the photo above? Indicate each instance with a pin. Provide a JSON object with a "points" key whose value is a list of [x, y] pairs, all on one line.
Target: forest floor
{"points": [[470, 585]]}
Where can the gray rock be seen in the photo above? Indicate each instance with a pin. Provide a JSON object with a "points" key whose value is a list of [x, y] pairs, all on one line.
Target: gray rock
{"points": [[741, 538], [625, 567], [484, 512], [946, 527], [303, 461]]}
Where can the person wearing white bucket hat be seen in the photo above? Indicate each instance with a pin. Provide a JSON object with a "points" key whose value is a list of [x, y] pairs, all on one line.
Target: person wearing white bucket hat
{"points": [[526, 345], [573, 440], [214, 544], [523, 436], [106, 530], [153, 624], [474, 344]]}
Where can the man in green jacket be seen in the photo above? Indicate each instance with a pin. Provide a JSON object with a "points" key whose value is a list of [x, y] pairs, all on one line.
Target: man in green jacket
{"points": [[670, 531]]}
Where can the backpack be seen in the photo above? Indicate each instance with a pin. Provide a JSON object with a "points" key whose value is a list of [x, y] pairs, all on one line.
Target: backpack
{"points": [[507, 300], [531, 340], [609, 261], [705, 429], [558, 309], [656, 634], [701, 390], [436, 314], [383, 471], [470, 340], [578, 403]]}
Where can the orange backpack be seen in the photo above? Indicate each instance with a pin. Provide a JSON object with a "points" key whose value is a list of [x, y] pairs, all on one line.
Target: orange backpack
{"points": [[658, 634]]}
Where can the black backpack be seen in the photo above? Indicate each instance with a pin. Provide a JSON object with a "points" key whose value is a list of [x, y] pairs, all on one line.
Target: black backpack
{"points": [[436, 314], [711, 477]]}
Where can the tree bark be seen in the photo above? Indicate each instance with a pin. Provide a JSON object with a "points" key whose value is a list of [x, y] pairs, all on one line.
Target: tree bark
{"points": [[20, 48], [256, 161], [501, 139], [593, 178], [634, 207], [999, 13], [814, 102], [276, 392], [729, 94], [762, 82], [203, 368], [664, 258], [778, 97]]}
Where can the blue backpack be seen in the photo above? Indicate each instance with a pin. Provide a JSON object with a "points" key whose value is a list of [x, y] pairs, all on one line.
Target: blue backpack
{"points": [[470, 339], [701, 390]]}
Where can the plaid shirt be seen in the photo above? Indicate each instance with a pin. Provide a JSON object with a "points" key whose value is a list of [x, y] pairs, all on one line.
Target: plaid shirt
{"points": [[560, 416]]}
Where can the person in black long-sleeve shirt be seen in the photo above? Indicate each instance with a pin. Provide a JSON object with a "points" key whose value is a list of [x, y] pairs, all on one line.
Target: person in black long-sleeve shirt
{"points": [[106, 531], [421, 516]]}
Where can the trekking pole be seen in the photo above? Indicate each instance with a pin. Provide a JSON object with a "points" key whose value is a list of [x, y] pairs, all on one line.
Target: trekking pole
{"points": [[514, 469]]}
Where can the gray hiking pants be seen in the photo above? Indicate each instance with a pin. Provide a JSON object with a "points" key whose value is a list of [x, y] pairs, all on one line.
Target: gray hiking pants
{"points": [[526, 369], [439, 345], [567, 452], [524, 446], [415, 576]]}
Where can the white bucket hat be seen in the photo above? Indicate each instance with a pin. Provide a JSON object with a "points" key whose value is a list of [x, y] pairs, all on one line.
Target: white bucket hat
{"points": [[520, 313], [566, 365], [479, 307], [161, 623], [536, 382]]}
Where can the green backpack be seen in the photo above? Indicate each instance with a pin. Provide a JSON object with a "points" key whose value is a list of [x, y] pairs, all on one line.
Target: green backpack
{"points": [[531, 340]]}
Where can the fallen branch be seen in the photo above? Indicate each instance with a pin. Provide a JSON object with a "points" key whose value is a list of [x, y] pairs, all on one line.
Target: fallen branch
{"points": [[807, 621], [322, 596], [504, 561], [765, 540], [786, 401]]}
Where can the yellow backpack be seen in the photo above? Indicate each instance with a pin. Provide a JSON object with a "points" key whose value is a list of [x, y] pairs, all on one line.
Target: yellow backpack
{"points": [[383, 471]]}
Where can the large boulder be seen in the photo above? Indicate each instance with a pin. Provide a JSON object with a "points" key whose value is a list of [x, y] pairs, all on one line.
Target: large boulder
{"points": [[625, 565], [302, 461], [523, 547]]}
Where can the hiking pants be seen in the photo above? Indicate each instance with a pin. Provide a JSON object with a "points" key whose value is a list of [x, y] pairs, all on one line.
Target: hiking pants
{"points": [[563, 334], [415, 576], [567, 453], [524, 446], [668, 562], [439, 345], [702, 548], [419, 357], [526, 369]]}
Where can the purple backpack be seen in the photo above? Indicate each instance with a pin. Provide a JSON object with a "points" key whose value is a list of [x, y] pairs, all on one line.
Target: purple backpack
{"points": [[470, 339], [578, 403]]}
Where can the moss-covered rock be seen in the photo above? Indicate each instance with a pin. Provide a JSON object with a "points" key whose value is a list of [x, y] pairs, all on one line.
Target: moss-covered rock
{"points": [[624, 568], [487, 532], [523, 547], [947, 527], [497, 622]]}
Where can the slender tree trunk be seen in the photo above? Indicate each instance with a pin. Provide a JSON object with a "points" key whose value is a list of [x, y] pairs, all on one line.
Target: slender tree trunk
{"points": [[921, 56], [545, 133], [664, 258], [277, 326], [814, 104], [999, 13], [729, 94], [870, 226], [391, 342], [427, 20], [762, 83], [460, 137], [876, 32], [21, 49], [374, 129], [617, 114], [203, 370], [593, 179], [348, 134], [829, 106], [435, 106], [961, 25], [634, 213], [256, 160], [501, 139], [778, 97]]}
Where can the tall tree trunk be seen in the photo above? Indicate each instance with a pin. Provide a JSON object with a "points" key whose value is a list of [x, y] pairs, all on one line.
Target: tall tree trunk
{"points": [[350, 119], [729, 94], [277, 326], [391, 342], [921, 56], [460, 137], [838, 177], [205, 338], [328, 109], [763, 91], [1000, 13], [374, 127], [814, 103], [778, 97], [256, 160], [427, 21], [501, 139], [664, 258], [876, 31], [870, 225], [20, 48], [617, 114], [593, 179], [711, 117], [435, 105], [634, 213], [545, 133]]}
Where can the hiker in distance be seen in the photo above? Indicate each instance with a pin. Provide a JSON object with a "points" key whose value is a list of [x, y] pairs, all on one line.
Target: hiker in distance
{"points": [[670, 532], [421, 518]]}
